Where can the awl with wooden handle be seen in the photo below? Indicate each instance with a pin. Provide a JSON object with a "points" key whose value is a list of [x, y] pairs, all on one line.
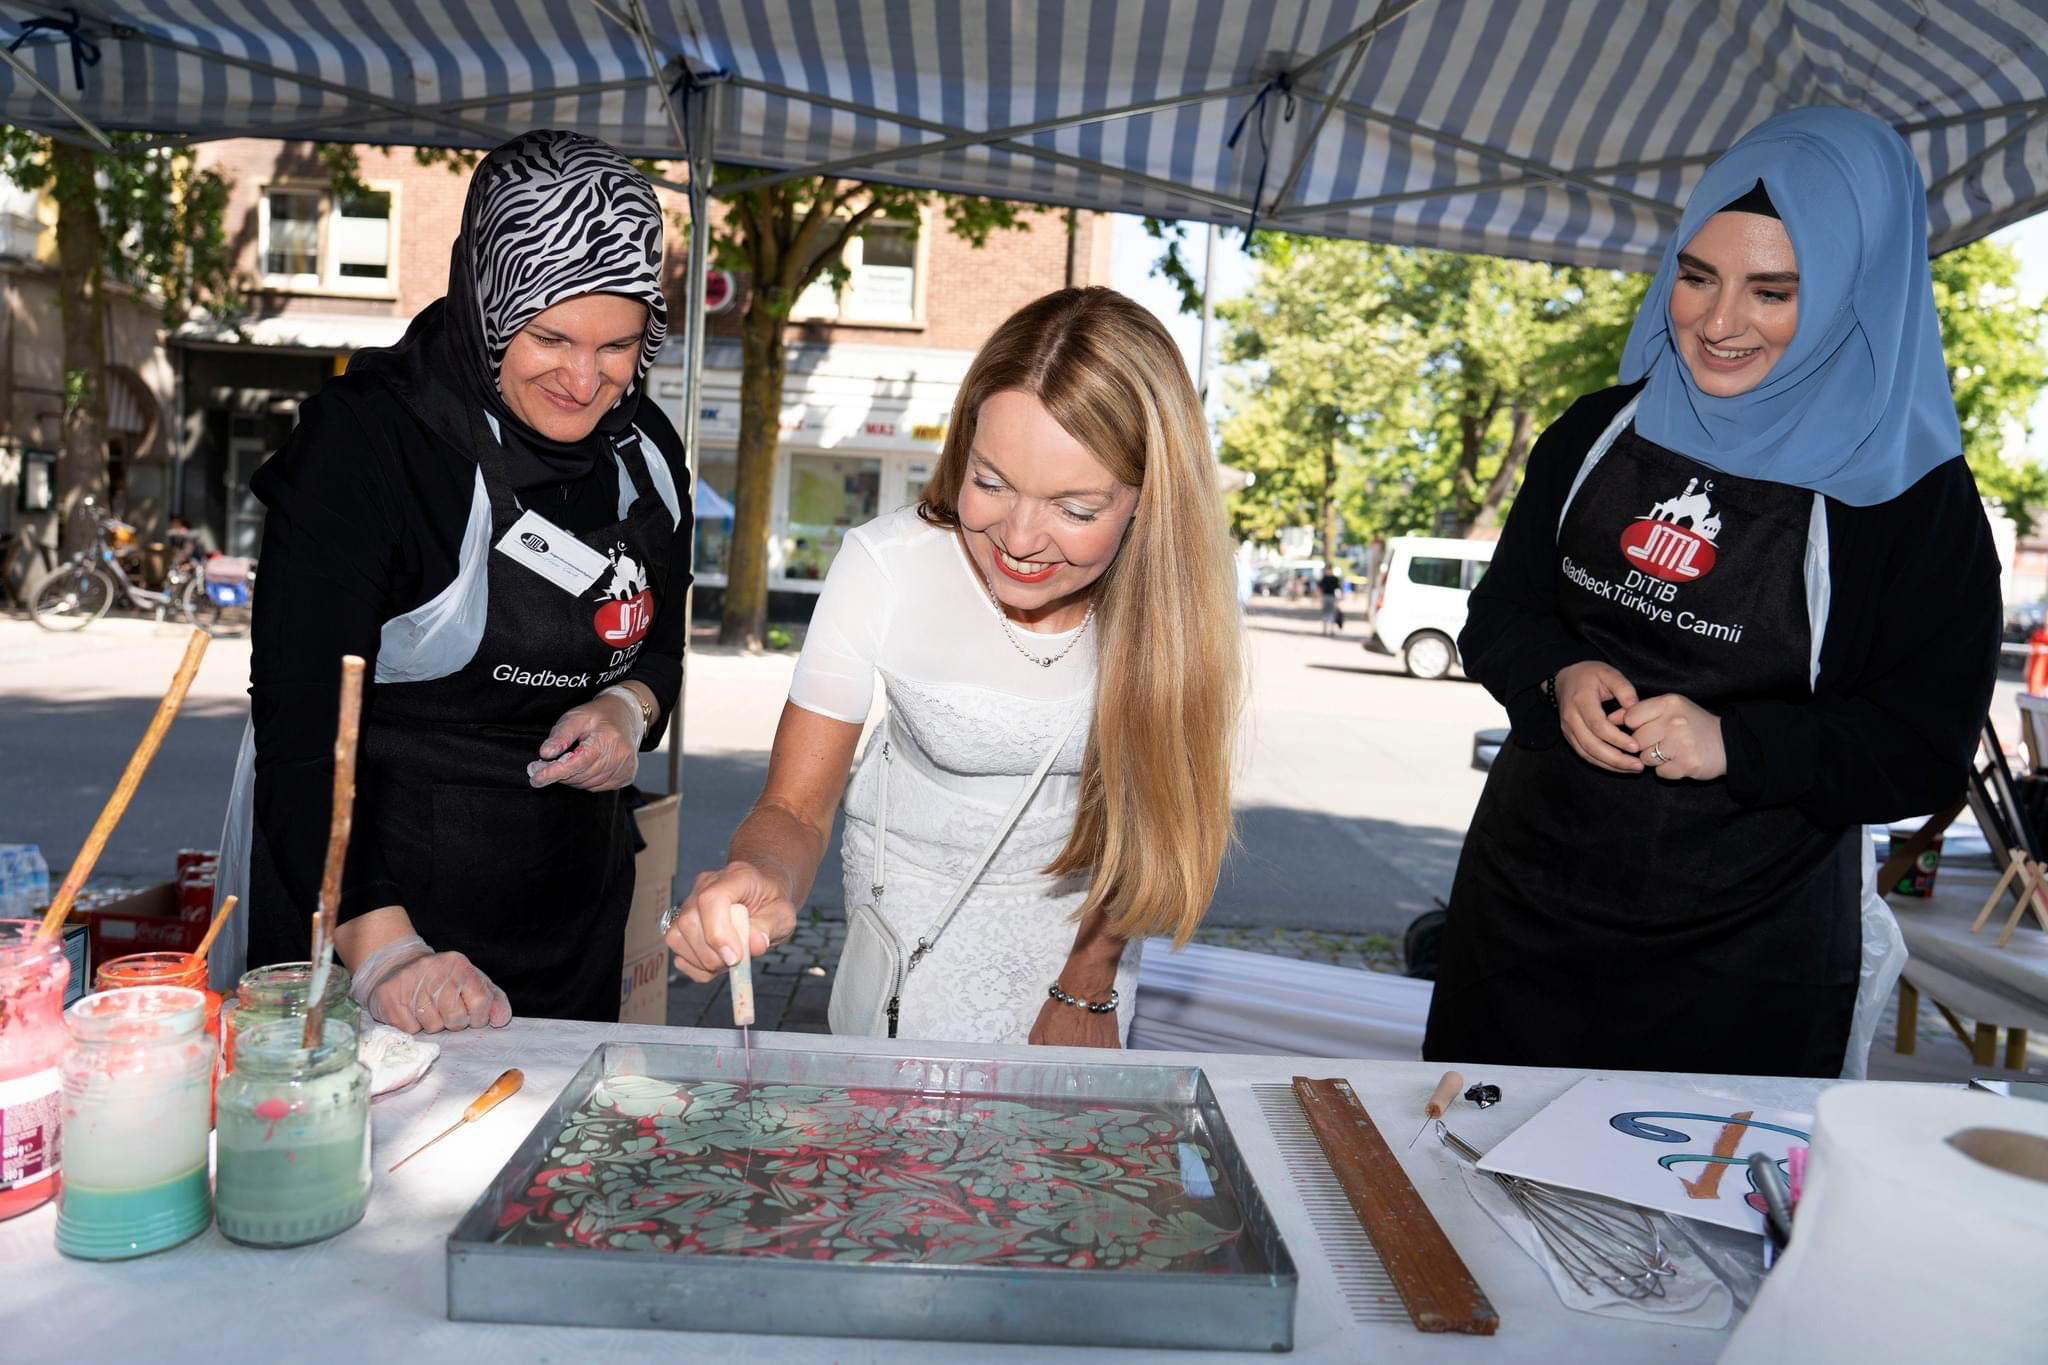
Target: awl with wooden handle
{"points": [[501, 1090], [1446, 1090]]}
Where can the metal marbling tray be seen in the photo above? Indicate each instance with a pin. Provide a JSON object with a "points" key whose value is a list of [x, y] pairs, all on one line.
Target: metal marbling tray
{"points": [[806, 1203]]}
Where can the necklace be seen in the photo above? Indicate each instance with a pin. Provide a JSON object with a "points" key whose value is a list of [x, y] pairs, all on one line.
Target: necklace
{"points": [[1018, 645]]}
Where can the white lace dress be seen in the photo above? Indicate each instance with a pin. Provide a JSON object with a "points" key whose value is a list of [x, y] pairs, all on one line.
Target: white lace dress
{"points": [[970, 717]]}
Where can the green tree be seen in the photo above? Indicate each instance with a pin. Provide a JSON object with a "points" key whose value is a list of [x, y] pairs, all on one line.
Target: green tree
{"points": [[1997, 367], [1407, 385], [147, 219], [784, 237]]}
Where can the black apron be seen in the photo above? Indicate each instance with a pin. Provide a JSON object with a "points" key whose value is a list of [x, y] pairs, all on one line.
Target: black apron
{"points": [[534, 886], [1606, 920]]}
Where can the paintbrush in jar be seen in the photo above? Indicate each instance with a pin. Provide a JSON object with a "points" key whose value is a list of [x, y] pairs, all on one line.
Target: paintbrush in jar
{"points": [[339, 822], [741, 978], [124, 790]]}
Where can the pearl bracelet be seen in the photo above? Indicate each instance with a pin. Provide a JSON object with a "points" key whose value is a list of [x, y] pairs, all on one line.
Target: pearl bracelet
{"points": [[1092, 1006]]}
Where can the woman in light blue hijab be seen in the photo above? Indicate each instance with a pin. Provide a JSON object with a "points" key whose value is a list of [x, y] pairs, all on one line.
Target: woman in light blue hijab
{"points": [[1752, 589]]}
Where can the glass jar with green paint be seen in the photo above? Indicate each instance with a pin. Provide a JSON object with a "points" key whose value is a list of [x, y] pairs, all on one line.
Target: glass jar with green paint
{"points": [[292, 1140], [279, 992]]}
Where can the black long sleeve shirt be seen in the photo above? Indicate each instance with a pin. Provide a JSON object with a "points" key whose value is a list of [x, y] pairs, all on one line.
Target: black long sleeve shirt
{"points": [[1908, 656], [366, 513]]}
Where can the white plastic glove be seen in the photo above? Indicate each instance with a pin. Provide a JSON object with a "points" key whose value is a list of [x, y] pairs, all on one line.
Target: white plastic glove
{"points": [[595, 746], [409, 986]]}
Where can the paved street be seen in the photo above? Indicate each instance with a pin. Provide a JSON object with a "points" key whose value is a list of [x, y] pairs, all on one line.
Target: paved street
{"points": [[1354, 790]]}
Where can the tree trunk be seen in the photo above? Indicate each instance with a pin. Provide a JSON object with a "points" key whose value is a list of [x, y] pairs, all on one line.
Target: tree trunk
{"points": [[744, 620], [81, 254], [1522, 419], [1329, 500], [1474, 417]]}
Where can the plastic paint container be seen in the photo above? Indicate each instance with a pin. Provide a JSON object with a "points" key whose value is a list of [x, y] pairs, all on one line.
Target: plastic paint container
{"points": [[164, 969]]}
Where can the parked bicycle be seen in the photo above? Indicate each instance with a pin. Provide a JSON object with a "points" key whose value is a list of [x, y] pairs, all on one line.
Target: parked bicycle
{"points": [[96, 579]]}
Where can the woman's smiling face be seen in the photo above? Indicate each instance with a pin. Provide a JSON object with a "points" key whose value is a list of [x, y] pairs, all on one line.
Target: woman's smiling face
{"points": [[568, 367], [1735, 303], [1041, 516]]}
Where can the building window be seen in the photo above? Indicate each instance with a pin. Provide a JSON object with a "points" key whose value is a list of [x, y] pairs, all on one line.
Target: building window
{"points": [[311, 240], [291, 234], [362, 236], [884, 285], [828, 496]]}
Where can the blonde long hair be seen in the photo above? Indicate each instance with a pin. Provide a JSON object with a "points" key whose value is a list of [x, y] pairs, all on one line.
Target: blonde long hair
{"points": [[1154, 817]]}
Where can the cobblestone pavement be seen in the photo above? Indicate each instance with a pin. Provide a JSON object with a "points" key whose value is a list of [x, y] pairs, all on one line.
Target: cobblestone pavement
{"points": [[793, 982]]}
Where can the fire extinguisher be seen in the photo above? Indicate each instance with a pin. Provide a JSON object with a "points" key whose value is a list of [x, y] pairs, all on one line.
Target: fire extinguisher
{"points": [[2037, 662]]}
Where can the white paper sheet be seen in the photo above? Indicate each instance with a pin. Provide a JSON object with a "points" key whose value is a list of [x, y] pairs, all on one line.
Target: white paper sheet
{"points": [[1678, 1151]]}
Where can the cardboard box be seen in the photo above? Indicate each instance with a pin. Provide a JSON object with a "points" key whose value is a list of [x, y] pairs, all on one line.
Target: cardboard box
{"points": [[643, 984], [145, 921]]}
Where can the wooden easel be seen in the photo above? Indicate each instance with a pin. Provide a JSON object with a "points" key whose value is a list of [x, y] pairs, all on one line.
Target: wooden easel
{"points": [[2033, 891], [1995, 799]]}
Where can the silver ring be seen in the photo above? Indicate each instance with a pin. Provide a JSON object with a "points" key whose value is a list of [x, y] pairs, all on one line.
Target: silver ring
{"points": [[1656, 758], [668, 917]]}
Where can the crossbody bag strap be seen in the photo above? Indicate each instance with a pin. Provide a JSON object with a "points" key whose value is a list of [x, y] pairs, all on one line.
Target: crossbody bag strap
{"points": [[881, 814], [1009, 822]]}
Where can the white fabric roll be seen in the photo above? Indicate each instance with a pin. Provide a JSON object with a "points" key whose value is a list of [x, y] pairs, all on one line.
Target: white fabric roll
{"points": [[1921, 1234]]}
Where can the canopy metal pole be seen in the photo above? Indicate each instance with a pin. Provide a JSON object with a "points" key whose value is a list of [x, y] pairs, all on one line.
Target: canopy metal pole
{"points": [[699, 122]]}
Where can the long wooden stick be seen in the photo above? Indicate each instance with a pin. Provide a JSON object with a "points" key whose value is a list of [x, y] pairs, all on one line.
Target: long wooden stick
{"points": [[124, 791], [338, 824], [220, 919]]}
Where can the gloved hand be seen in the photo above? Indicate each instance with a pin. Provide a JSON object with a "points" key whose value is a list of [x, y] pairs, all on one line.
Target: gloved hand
{"points": [[409, 986], [595, 746]]}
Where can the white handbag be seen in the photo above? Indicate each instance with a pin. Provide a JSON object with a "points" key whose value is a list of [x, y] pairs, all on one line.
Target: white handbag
{"points": [[868, 990]]}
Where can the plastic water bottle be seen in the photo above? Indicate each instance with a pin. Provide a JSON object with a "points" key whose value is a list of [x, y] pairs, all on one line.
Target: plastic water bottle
{"points": [[12, 883], [35, 877]]}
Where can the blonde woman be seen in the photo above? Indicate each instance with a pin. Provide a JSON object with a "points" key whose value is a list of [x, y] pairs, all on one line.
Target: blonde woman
{"points": [[1055, 629]]}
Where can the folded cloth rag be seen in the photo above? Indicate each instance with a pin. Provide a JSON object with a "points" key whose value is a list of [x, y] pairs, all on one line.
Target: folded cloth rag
{"points": [[1694, 1297], [396, 1058]]}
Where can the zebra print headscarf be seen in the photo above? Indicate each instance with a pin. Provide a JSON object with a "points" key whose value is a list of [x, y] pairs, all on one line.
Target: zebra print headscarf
{"points": [[552, 215]]}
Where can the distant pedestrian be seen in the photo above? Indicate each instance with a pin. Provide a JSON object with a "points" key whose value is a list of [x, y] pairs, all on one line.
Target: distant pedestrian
{"points": [[1330, 585]]}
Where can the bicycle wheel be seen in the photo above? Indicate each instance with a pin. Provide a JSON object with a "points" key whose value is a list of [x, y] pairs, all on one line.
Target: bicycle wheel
{"points": [[197, 606], [74, 596]]}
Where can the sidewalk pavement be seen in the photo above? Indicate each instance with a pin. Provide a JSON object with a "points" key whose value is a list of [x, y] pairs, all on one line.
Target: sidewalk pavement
{"points": [[793, 981]]}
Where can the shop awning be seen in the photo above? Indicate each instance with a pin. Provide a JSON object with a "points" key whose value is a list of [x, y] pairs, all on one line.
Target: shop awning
{"points": [[1566, 130]]}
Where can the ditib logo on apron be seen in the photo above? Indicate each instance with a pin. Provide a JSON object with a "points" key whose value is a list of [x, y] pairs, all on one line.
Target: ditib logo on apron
{"points": [[626, 610], [1675, 542]]}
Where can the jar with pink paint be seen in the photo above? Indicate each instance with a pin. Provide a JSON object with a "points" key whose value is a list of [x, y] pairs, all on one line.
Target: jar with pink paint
{"points": [[32, 978], [292, 1140]]}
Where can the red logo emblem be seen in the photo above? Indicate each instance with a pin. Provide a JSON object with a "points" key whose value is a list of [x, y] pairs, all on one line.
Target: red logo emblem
{"points": [[625, 622], [1676, 541]]}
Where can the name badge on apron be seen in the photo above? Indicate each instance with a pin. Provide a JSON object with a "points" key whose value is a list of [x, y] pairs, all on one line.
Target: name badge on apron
{"points": [[553, 553]]}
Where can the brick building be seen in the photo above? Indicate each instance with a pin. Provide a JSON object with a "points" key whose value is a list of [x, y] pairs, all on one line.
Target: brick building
{"points": [[872, 371]]}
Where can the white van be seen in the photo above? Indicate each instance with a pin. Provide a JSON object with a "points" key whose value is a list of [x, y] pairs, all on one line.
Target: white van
{"points": [[1420, 606]]}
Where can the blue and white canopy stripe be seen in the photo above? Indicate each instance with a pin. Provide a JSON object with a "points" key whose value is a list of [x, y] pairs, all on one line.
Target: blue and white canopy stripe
{"points": [[1565, 130]]}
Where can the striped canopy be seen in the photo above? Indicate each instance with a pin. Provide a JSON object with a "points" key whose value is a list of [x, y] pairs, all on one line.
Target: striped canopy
{"points": [[1565, 130]]}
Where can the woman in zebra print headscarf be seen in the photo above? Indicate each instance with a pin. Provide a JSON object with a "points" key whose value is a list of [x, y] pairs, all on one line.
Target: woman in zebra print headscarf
{"points": [[491, 513]]}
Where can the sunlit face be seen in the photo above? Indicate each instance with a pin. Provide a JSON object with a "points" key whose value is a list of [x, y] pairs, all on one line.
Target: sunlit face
{"points": [[572, 363], [1040, 515], [1735, 304]]}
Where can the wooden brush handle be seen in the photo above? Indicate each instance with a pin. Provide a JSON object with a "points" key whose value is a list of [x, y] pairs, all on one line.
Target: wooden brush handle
{"points": [[1446, 1090], [339, 821], [124, 791], [502, 1089]]}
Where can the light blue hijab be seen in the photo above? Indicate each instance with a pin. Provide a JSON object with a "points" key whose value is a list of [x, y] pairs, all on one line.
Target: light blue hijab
{"points": [[1858, 407]]}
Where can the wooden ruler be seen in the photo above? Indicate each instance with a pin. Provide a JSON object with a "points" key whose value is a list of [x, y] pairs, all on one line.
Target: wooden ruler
{"points": [[1427, 1271]]}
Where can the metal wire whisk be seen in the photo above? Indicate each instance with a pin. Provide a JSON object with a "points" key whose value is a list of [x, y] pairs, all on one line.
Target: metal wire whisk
{"points": [[1598, 1241]]}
